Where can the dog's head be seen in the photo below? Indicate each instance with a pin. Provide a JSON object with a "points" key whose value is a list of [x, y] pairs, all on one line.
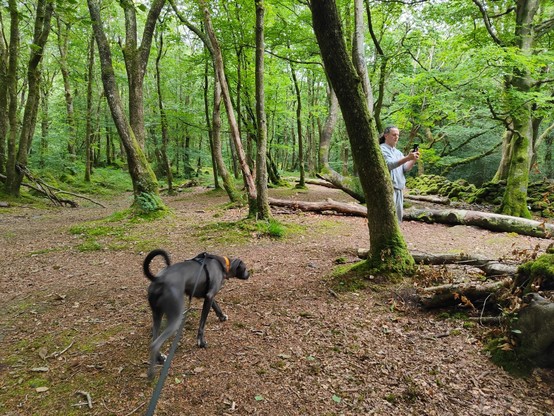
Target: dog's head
{"points": [[238, 270]]}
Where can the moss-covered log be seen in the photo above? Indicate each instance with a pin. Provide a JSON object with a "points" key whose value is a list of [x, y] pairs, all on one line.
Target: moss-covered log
{"points": [[486, 220]]}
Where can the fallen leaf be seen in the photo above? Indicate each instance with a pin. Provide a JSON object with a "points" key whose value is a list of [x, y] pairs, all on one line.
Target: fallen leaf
{"points": [[43, 353], [41, 389]]}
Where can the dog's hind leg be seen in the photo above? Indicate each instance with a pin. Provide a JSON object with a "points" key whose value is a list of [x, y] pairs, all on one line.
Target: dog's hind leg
{"points": [[208, 302], [157, 316], [215, 306], [174, 317]]}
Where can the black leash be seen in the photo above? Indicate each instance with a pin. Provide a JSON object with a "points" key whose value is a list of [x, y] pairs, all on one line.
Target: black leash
{"points": [[167, 362]]}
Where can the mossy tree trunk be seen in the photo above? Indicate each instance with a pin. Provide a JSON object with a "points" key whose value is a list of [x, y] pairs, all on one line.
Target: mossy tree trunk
{"points": [[145, 184], [18, 153], [136, 60], [388, 249], [520, 88]]}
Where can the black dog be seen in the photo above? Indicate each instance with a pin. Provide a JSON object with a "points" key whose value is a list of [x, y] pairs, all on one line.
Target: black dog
{"points": [[201, 277]]}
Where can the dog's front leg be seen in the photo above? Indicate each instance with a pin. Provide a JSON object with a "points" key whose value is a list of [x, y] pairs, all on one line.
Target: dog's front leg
{"points": [[208, 301], [222, 317]]}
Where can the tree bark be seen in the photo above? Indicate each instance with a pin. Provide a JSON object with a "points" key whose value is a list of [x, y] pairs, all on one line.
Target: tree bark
{"points": [[63, 36], [235, 134], [163, 118], [327, 131], [489, 221], [301, 184], [18, 160], [386, 239], [88, 130], [4, 80], [358, 55], [142, 176], [136, 60], [263, 211]]}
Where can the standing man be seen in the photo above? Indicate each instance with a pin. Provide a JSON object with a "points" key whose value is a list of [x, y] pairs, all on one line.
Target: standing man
{"points": [[397, 164]]}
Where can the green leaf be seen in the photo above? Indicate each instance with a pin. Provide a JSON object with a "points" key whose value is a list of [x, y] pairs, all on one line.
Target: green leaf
{"points": [[259, 398], [336, 398]]}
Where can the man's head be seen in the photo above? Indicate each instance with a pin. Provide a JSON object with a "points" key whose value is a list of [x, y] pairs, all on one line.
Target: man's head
{"points": [[391, 135]]}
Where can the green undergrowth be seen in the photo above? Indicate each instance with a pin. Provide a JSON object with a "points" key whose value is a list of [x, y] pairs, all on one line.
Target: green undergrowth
{"points": [[244, 230]]}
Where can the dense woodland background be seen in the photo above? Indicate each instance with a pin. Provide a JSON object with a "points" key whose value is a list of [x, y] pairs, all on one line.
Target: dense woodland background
{"points": [[448, 73]]}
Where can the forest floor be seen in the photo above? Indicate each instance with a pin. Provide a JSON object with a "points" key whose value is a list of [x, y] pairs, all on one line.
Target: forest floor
{"points": [[75, 324]]}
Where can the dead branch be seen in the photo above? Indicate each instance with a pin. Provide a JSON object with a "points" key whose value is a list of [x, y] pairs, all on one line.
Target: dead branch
{"points": [[456, 293]]}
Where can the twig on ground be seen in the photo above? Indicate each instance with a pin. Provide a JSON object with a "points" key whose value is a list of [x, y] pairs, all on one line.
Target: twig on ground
{"points": [[88, 397]]}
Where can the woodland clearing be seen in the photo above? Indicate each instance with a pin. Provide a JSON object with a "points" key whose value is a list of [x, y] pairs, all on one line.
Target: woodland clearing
{"points": [[75, 324]]}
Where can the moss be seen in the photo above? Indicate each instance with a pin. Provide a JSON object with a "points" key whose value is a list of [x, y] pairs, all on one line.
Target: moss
{"points": [[504, 356], [537, 272]]}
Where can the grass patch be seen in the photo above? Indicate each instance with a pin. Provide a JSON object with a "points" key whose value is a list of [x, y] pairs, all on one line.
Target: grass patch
{"points": [[244, 230]]}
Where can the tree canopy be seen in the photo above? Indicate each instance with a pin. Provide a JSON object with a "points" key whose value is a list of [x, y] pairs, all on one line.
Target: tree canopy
{"points": [[463, 78]]}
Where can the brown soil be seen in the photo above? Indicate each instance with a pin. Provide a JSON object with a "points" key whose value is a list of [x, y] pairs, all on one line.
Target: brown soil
{"points": [[77, 322]]}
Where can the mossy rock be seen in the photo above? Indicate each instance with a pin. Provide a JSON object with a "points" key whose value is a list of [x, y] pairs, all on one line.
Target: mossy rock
{"points": [[538, 273]]}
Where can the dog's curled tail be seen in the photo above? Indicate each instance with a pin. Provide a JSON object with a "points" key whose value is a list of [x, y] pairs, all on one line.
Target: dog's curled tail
{"points": [[148, 259]]}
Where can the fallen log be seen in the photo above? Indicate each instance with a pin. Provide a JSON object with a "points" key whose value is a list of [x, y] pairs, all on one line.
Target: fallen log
{"points": [[461, 293], [434, 199], [324, 206], [486, 220], [320, 182], [488, 266]]}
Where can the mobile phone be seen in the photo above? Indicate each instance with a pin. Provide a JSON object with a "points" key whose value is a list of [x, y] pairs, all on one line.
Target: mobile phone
{"points": [[416, 147]]}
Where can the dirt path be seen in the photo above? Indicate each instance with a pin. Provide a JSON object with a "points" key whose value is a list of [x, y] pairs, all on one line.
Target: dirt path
{"points": [[77, 321]]}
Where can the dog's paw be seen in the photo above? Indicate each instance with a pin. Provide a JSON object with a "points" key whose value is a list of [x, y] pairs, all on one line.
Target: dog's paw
{"points": [[161, 358], [201, 343], [223, 318]]}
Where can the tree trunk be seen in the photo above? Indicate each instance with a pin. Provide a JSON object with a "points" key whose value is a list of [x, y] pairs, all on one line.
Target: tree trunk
{"points": [[386, 240], [145, 185], [327, 132], [358, 55], [136, 60], [17, 163], [63, 36], [228, 182], [301, 184], [88, 132], [209, 125], [235, 134], [163, 119], [489, 221], [263, 210], [4, 80]]}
